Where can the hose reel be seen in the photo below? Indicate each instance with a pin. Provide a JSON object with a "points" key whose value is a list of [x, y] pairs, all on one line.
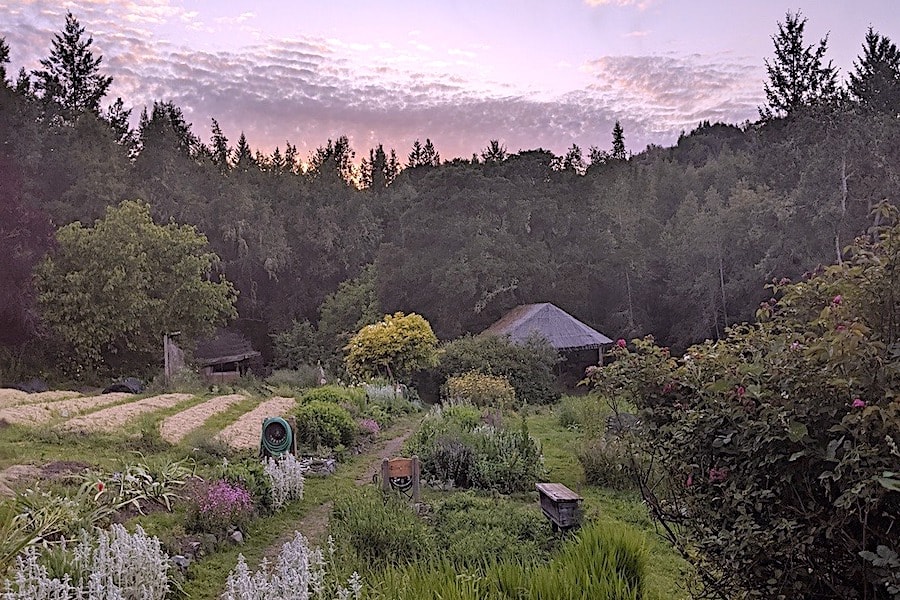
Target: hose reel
{"points": [[277, 437]]}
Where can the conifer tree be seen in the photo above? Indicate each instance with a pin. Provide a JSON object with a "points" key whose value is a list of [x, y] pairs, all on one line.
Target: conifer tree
{"points": [[416, 156], [875, 83], [798, 76], [4, 59], [221, 153], [71, 75], [618, 143], [430, 156]]}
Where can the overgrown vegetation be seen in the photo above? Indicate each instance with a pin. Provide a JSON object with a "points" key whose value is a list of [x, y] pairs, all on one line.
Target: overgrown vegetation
{"points": [[779, 442]]}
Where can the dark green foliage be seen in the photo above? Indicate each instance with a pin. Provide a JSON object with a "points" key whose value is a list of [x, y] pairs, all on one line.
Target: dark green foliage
{"points": [[779, 442], [875, 82], [379, 531], [528, 367], [297, 346], [472, 531], [321, 423], [456, 451], [71, 75]]}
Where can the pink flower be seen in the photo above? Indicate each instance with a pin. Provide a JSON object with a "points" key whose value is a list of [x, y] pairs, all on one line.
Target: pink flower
{"points": [[841, 328], [859, 403], [100, 486], [741, 391], [668, 388], [795, 345], [690, 480], [620, 343], [837, 299], [716, 475]]}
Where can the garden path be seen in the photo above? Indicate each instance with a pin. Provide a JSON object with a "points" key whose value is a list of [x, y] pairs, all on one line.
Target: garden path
{"points": [[314, 523]]}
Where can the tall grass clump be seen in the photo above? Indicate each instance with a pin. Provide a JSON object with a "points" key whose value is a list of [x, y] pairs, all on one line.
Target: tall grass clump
{"points": [[604, 561]]}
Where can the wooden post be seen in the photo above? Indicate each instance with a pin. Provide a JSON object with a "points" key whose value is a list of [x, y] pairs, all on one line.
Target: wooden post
{"points": [[385, 475], [416, 476]]}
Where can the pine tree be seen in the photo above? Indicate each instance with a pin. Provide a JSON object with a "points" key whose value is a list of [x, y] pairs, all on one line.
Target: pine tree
{"points": [[798, 77], [495, 153], [392, 169], [71, 75], [4, 59], [221, 153], [430, 156], [416, 157], [243, 156], [618, 143], [876, 81], [117, 117]]}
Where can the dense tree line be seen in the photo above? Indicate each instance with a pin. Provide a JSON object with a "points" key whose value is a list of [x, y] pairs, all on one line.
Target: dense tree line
{"points": [[677, 242]]}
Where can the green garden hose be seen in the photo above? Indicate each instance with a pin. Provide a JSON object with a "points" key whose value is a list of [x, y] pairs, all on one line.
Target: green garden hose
{"points": [[277, 437]]}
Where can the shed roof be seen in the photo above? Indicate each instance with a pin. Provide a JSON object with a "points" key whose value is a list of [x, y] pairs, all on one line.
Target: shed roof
{"points": [[223, 347], [562, 330]]}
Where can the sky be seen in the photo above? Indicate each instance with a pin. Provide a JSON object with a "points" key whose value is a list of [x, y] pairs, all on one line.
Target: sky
{"points": [[532, 74]]}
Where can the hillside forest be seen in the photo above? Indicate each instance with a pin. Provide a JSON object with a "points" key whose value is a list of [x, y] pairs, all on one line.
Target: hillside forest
{"points": [[678, 242]]}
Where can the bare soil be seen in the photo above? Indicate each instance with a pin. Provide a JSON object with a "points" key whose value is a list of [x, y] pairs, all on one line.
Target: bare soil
{"points": [[114, 417], [173, 429], [12, 397], [35, 414], [245, 432]]}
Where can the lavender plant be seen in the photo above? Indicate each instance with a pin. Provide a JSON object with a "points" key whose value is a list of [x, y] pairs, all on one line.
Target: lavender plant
{"points": [[300, 573], [220, 506], [116, 565], [286, 475]]}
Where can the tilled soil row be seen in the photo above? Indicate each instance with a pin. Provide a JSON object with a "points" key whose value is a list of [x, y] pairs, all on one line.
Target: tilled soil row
{"points": [[13, 397], [35, 414], [244, 433], [114, 417], [173, 429]]}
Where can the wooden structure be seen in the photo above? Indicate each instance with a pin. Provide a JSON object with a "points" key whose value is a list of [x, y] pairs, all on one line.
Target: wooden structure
{"points": [[402, 475], [560, 504], [565, 333], [224, 356]]}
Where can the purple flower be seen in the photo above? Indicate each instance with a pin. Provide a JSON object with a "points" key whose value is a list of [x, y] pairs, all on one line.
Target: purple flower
{"points": [[837, 300], [716, 475], [621, 343], [369, 426], [859, 403], [740, 391]]}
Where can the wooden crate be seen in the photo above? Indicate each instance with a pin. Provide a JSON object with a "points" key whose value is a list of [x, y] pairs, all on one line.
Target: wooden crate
{"points": [[560, 504]]}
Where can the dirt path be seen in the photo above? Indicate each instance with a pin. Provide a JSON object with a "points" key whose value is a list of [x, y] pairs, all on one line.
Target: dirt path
{"points": [[314, 524], [173, 429], [245, 432], [114, 417], [34, 414]]}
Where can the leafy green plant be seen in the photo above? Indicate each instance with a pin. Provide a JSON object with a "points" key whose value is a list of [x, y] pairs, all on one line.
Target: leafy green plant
{"points": [[395, 347], [139, 483], [324, 424], [528, 367], [251, 475], [779, 442], [609, 462], [379, 530]]}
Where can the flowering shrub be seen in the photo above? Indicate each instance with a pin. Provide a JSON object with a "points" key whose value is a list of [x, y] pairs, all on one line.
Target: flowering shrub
{"points": [[219, 506], [251, 475], [780, 442], [300, 573], [286, 476], [117, 565], [369, 426], [480, 390]]}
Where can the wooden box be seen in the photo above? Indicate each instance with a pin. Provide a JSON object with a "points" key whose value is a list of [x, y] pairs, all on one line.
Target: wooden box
{"points": [[560, 504]]}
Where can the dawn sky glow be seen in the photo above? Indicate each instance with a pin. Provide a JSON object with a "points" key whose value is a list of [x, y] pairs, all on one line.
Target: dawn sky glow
{"points": [[531, 74]]}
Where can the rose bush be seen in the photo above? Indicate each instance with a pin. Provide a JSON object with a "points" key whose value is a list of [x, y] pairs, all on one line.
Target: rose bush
{"points": [[779, 443]]}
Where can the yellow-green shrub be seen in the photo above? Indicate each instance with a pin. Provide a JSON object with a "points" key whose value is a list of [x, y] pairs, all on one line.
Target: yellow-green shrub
{"points": [[479, 389]]}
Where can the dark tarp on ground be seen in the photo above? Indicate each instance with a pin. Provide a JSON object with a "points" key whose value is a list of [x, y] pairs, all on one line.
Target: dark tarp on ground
{"points": [[129, 385]]}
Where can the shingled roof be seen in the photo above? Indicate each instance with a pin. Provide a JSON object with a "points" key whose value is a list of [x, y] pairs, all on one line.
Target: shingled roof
{"points": [[223, 347], [562, 330]]}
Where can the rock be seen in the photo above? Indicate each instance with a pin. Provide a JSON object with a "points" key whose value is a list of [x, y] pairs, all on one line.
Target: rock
{"points": [[237, 537], [182, 562]]}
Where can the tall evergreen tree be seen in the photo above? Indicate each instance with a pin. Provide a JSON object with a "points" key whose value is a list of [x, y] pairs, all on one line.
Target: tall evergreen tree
{"points": [[243, 156], [4, 59], [416, 156], [117, 117], [618, 143], [430, 156], [71, 75], [875, 83], [221, 153], [798, 76], [494, 153]]}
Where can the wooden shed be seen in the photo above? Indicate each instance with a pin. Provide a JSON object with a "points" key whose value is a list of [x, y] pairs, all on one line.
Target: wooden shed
{"points": [[225, 356]]}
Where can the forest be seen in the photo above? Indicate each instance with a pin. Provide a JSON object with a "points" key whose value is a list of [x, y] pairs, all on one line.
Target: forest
{"points": [[676, 242]]}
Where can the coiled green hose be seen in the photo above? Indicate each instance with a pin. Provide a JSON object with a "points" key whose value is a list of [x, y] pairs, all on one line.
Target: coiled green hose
{"points": [[277, 437]]}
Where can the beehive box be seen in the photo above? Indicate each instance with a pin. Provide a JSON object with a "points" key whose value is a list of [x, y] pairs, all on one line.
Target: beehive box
{"points": [[560, 504]]}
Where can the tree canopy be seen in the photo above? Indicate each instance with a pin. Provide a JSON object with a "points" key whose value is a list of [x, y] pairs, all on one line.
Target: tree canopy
{"points": [[395, 347], [110, 292]]}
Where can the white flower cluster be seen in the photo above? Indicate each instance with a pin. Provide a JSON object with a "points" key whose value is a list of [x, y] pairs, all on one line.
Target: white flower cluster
{"points": [[300, 573], [116, 566], [286, 475]]}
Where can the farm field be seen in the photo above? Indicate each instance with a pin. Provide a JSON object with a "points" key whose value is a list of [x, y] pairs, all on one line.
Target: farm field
{"points": [[169, 428]]}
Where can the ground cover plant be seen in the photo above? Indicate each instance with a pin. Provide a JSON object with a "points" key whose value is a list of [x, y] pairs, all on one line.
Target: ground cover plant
{"points": [[779, 443]]}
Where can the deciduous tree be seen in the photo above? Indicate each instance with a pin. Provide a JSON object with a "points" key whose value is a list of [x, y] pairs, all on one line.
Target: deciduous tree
{"points": [[394, 348]]}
